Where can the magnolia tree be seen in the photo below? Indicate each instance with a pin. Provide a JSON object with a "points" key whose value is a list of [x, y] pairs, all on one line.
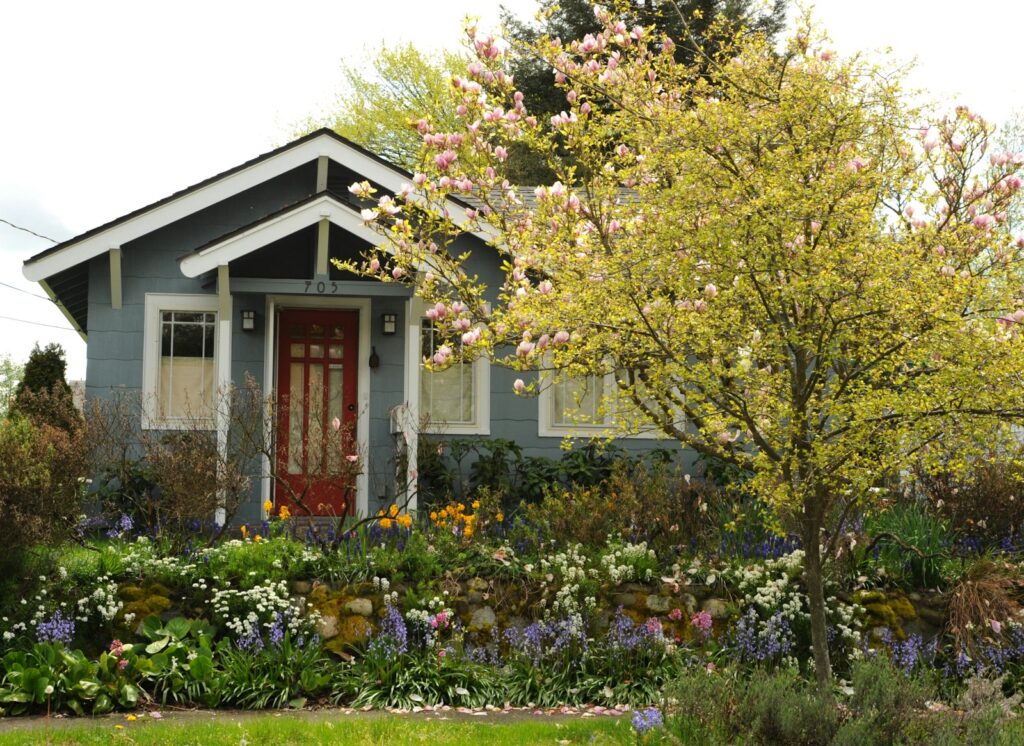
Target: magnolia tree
{"points": [[783, 263]]}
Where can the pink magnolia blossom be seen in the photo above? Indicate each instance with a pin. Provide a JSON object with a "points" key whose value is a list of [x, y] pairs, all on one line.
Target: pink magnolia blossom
{"points": [[519, 385], [857, 164], [336, 424], [375, 265], [710, 291], [561, 337], [501, 153], [985, 222], [444, 160]]}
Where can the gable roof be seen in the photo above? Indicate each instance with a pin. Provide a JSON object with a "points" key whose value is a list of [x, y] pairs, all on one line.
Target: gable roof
{"points": [[275, 226], [322, 142]]}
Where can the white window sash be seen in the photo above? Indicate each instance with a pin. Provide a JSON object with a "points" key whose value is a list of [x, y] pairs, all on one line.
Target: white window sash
{"points": [[152, 358]]}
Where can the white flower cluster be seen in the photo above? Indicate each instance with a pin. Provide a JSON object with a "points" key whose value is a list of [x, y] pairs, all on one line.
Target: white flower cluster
{"points": [[772, 587], [381, 584], [243, 611], [14, 630], [568, 572], [629, 562], [103, 600]]}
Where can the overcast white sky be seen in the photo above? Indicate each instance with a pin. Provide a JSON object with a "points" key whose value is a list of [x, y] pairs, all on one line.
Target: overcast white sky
{"points": [[108, 106]]}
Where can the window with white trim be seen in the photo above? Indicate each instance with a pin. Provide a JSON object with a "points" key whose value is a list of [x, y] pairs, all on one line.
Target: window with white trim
{"points": [[583, 407], [179, 366], [455, 400]]}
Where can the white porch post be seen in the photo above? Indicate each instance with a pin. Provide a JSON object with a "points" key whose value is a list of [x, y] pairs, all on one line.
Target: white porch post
{"points": [[411, 425], [223, 354]]}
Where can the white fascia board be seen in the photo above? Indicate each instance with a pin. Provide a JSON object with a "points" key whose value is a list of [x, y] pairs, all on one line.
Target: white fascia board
{"points": [[269, 168], [283, 225]]}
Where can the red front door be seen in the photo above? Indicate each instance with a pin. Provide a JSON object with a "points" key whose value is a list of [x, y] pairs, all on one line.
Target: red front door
{"points": [[316, 373]]}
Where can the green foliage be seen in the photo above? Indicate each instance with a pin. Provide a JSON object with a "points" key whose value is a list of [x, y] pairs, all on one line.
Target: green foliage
{"points": [[914, 544], [48, 676], [573, 19], [638, 501], [43, 393], [41, 466], [386, 96], [702, 706], [11, 374], [500, 466], [182, 666], [283, 674], [416, 679]]}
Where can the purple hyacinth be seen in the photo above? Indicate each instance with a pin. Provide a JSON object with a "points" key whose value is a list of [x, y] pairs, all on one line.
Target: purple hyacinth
{"points": [[251, 642], [58, 628], [277, 630], [122, 526], [647, 720], [754, 642], [393, 638]]}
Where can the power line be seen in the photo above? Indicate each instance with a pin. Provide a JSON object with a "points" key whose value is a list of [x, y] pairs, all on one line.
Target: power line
{"points": [[27, 292], [28, 230], [36, 323]]}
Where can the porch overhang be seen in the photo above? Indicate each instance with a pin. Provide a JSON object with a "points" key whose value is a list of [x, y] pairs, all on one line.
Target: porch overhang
{"points": [[275, 227]]}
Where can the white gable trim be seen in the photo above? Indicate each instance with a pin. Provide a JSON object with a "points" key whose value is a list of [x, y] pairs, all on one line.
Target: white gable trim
{"points": [[324, 145], [277, 228]]}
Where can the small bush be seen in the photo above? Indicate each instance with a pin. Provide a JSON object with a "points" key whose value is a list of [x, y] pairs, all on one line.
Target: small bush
{"points": [[767, 708], [986, 592], [884, 701], [638, 502], [41, 468], [987, 505], [780, 708], [43, 395]]}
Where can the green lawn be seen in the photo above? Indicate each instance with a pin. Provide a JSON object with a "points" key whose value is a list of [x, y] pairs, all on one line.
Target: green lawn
{"points": [[321, 728]]}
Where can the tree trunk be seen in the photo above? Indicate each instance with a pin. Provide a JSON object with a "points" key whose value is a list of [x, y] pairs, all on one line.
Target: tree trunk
{"points": [[816, 597]]}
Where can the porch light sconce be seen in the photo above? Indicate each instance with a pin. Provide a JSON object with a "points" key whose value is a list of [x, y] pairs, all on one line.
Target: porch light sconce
{"points": [[390, 323], [248, 321]]}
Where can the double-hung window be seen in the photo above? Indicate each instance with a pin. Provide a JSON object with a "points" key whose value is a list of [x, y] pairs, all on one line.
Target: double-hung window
{"points": [[455, 400], [586, 407], [179, 362]]}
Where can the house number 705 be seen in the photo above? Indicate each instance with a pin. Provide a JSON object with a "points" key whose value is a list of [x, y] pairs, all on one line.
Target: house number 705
{"points": [[321, 287]]}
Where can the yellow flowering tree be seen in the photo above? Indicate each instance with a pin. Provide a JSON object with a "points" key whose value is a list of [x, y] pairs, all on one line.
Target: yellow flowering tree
{"points": [[783, 264]]}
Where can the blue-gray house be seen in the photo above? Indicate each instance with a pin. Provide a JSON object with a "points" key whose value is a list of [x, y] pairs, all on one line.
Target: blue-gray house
{"points": [[233, 276]]}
